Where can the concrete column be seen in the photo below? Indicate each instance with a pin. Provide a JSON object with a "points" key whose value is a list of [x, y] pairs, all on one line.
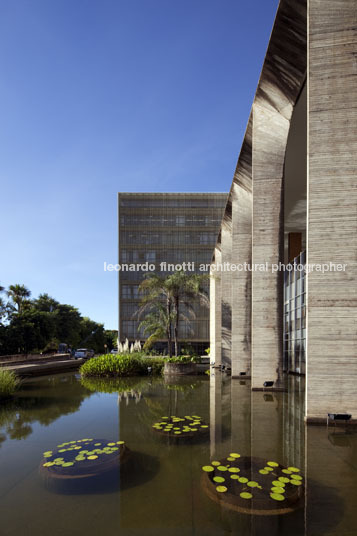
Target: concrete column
{"points": [[270, 132], [242, 254], [332, 209], [226, 278], [216, 311]]}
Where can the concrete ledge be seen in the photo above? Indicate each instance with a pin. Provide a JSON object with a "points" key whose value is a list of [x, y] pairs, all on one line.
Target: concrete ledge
{"points": [[268, 389], [320, 421], [40, 369]]}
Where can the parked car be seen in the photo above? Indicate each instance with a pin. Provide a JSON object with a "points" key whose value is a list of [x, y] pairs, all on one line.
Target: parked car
{"points": [[114, 351], [82, 353], [91, 352]]}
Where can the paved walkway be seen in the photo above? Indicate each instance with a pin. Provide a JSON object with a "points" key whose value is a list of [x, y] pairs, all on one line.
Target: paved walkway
{"points": [[37, 368]]}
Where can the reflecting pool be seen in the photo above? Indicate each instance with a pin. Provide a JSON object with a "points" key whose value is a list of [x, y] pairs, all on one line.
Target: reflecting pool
{"points": [[153, 483]]}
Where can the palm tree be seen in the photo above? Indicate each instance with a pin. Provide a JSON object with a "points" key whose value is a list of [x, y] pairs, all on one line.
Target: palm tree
{"points": [[185, 290], [157, 324], [157, 294], [18, 294]]}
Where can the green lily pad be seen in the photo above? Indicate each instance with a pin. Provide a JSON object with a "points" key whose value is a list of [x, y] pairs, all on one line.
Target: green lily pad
{"points": [[280, 491], [207, 468], [252, 484], [215, 463], [234, 455], [277, 496], [286, 471], [284, 479], [278, 484], [296, 482], [245, 495], [219, 479], [243, 479], [221, 489], [263, 472], [269, 469], [294, 469], [273, 464], [230, 459], [234, 477], [296, 477], [222, 468], [234, 470], [67, 464]]}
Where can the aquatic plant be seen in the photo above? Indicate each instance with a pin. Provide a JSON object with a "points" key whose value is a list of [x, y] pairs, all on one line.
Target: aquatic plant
{"points": [[178, 427], [118, 365], [244, 479], [9, 382], [81, 452]]}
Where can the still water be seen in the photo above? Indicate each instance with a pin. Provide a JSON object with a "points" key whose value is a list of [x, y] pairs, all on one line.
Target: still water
{"points": [[164, 491]]}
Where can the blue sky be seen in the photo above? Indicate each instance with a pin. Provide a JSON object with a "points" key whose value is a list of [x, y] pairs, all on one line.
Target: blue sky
{"points": [[103, 96]]}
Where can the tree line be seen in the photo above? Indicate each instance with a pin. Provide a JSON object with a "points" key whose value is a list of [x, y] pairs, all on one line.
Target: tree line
{"points": [[40, 325]]}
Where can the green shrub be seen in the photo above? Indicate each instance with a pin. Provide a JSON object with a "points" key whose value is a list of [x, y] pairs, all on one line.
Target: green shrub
{"points": [[9, 382], [156, 364], [183, 359], [118, 365]]}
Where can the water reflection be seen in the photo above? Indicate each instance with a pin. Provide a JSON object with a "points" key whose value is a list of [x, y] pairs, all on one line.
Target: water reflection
{"points": [[165, 495], [42, 400]]}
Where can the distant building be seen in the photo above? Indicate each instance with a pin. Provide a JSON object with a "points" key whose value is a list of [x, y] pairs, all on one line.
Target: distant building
{"points": [[170, 228]]}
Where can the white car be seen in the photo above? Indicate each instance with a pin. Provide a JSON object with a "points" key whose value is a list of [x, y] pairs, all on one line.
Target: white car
{"points": [[81, 353]]}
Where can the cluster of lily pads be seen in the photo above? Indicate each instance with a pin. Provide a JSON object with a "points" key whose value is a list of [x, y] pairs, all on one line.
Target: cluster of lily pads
{"points": [[82, 450], [180, 426], [229, 477]]}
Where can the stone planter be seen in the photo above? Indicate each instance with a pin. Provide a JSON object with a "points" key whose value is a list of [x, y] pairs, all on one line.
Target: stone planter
{"points": [[180, 369]]}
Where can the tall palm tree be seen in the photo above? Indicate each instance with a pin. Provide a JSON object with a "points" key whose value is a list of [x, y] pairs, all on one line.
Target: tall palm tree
{"points": [[157, 324], [18, 294], [156, 292], [186, 289]]}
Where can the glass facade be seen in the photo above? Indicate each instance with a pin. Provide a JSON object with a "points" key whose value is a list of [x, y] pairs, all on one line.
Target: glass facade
{"points": [[166, 228], [295, 316]]}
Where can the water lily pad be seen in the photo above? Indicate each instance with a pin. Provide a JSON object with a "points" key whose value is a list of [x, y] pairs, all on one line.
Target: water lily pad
{"points": [[207, 468], [221, 489], [263, 472], [218, 479], [296, 477], [277, 496], [234, 470], [245, 495], [222, 468], [215, 463], [278, 490], [284, 479], [204, 426], [120, 442], [294, 469], [296, 482], [286, 471], [269, 469], [111, 444], [67, 464], [48, 464], [273, 464], [234, 455], [243, 479], [230, 459], [278, 484], [234, 477], [93, 457], [252, 484]]}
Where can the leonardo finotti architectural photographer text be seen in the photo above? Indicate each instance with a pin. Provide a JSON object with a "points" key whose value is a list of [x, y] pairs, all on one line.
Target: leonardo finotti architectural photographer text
{"points": [[225, 267]]}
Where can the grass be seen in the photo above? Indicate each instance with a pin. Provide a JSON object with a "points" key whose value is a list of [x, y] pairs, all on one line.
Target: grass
{"points": [[9, 382], [121, 365]]}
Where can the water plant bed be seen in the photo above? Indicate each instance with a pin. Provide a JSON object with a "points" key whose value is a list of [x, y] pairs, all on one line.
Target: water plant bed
{"points": [[181, 428], [253, 485], [82, 460]]}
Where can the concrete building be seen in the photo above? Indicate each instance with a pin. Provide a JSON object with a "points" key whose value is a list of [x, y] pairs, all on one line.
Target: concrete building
{"points": [[171, 228], [294, 195]]}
